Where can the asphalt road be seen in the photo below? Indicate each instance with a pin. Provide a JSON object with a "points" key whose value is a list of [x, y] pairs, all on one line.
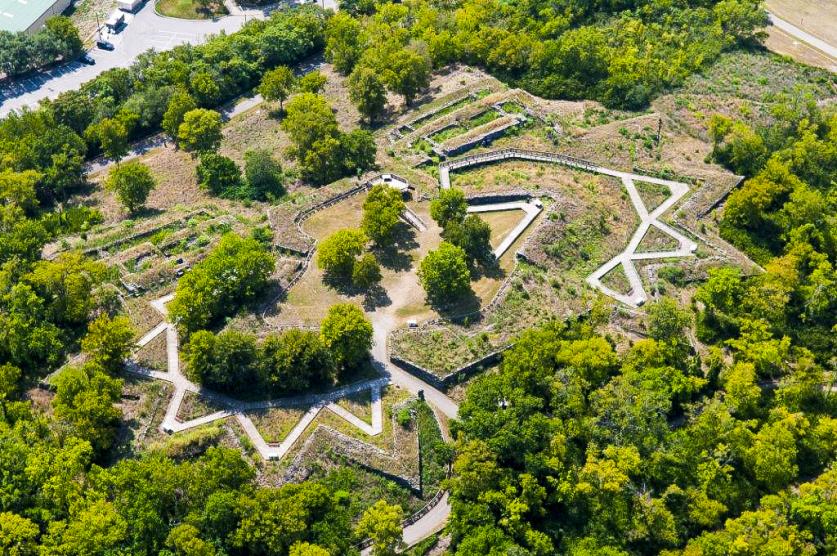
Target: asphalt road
{"points": [[803, 36], [142, 31]]}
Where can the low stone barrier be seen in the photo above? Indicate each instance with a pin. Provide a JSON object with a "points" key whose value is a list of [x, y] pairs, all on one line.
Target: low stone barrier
{"points": [[484, 138], [454, 377]]}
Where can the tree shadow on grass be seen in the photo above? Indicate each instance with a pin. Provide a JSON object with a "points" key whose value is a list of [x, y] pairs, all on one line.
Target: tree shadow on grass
{"points": [[341, 282], [395, 256], [145, 212], [489, 267], [376, 296], [270, 301], [464, 307]]}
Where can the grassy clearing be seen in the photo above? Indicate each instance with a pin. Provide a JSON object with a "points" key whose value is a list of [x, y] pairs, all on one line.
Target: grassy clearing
{"points": [[440, 350], [655, 240], [346, 214], [502, 222], [153, 355], [190, 9], [276, 423], [817, 17], [194, 406], [390, 397], [617, 280], [780, 42], [359, 404], [758, 76], [652, 194], [189, 443]]}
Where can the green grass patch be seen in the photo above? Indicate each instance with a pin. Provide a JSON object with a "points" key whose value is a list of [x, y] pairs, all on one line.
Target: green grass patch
{"points": [[190, 9]]}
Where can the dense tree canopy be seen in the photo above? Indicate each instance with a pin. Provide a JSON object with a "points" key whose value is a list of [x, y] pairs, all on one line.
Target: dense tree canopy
{"points": [[347, 334], [381, 213], [444, 274], [234, 273]]}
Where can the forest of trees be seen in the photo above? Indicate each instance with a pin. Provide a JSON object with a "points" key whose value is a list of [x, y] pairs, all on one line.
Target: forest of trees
{"points": [[660, 450], [570, 447], [622, 54]]}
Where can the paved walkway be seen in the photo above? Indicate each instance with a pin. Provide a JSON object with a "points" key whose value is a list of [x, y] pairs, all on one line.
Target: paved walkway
{"points": [[532, 210], [636, 296], [804, 36], [383, 323], [238, 409]]}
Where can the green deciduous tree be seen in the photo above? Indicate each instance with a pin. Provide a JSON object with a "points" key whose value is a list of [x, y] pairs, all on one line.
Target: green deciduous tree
{"points": [[344, 42], [277, 84], [381, 213], [84, 398], [449, 206], [184, 540], [219, 175], [18, 535], [311, 82], [265, 178], [347, 334], [112, 137], [180, 103], [382, 523], [366, 272], [109, 341], [444, 274], [367, 92], [309, 119], [473, 235], [200, 130], [337, 253], [296, 360], [227, 361], [408, 73], [233, 273], [131, 182]]}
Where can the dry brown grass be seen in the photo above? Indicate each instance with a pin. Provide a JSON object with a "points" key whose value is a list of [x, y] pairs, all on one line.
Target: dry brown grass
{"points": [[176, 184], [501, 222], [153, 355], [782, 43], [817, 17], [276, 423]]}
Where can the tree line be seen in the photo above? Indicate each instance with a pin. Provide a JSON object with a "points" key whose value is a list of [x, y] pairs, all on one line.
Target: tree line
{"points": [[285, 363], [23, 52], [623, 54]]}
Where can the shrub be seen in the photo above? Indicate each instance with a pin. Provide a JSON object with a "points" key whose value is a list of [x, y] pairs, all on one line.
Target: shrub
{"points": [[219, 175], [265, 179]]}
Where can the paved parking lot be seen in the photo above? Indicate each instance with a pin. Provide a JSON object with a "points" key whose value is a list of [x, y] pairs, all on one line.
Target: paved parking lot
{"points": [[142, 31]]}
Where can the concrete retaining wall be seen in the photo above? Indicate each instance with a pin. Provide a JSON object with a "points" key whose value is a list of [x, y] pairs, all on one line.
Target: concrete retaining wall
{"points": [[459, 375]]}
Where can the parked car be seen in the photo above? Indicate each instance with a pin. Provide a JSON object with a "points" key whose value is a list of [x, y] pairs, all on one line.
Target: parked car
{"points": [[87, 60], [104, 45]]}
